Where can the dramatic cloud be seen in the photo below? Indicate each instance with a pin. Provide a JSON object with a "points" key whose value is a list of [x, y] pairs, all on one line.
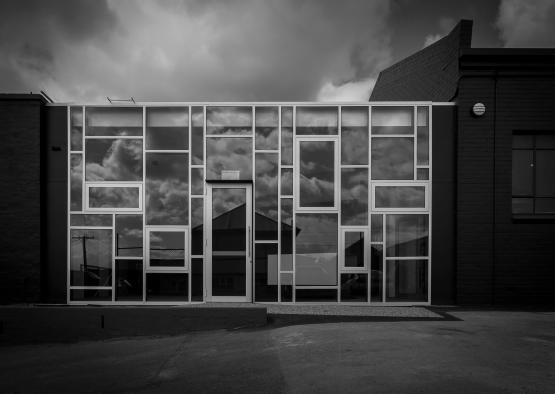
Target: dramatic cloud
{"points": [[527, 23], [445, 26], [194, 50]]}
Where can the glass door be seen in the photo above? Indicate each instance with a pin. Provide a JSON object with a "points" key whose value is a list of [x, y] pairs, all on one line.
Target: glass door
{"points": [[229, 242]]}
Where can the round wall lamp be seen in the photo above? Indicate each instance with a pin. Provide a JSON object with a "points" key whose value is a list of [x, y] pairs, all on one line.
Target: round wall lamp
{"points": [[478, 109]]}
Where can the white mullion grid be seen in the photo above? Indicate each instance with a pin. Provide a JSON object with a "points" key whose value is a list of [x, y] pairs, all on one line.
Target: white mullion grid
{"points": [[414, 143], [189, 233], [338, 160], [384, 240], [250, 244], [167, 150], [265, 241], [145, 254], [68, 196], [90, 288], [287, 166], [83, 158], [408, 258], [430, 204], [279, 208], [92, 227], [266, 151], [118, 137], [294, 211], [113, 258], [369, 202], [393, 135], [204, 210]]}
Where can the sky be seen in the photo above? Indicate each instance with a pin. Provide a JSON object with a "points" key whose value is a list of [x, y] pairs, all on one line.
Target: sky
{"points": [[238, 50]]}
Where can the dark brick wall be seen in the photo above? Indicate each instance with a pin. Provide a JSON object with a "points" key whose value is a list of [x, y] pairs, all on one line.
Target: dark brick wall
{"points": [[500, 260], [430, 74], [20, 199]]}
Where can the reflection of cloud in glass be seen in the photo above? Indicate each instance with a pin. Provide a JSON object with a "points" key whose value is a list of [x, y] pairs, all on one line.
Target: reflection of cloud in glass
{"points": [[114, 121], [354, 116], [114, 197], [228, 154], [286, 181], [354, 145], [316, 173], [392, 158], [114, 160], [228, 120], [400, 197], [226, 200], [129, 235], [266, 138], [266, 186], [317, 117], [287, 145], [392, 116], [354, 196]]}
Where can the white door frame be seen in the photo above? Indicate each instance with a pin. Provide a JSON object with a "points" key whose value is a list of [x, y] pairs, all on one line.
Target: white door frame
{"points": [[248, 241]]}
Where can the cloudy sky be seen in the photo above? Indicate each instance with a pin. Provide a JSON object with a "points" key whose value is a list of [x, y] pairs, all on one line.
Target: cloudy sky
{"points": [[238, 50]]}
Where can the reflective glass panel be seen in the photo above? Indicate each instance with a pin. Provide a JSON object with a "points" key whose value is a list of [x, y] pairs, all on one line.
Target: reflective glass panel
{"points": [[113, 121], [76, 182], [91, 258], [167, 188], [354, 287], [167, 287], [228, 158], [167, 128], [392, 158], [422, 136], [229, 221], [129, 235], [197, 135], [167, 248], [229, 120], [286, 234], [129, 280], [316, 174], [407, 280], [422, 174], [76, 119], [523, 172], [286, 287], [91, 220], [90, 295], [197, 282], [354, 135], [376, 228], [266, 196], [407, 235], [400, 196], [287, 135], [316, 120], [545, 173], [197, 181], [316, 249], [376, 274], [266, 272], [316, 295], [266, 128], [114, 197], [354, 196], [392, 120], [114, 160], [354, 249], [197, 225], [286, 181]]}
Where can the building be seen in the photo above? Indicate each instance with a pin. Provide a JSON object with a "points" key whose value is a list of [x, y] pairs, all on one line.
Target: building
{"points": [[291, 202]]}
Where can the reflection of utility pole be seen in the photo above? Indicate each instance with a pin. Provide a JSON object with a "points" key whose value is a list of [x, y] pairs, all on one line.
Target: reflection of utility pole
{"points": [[83, 239]]}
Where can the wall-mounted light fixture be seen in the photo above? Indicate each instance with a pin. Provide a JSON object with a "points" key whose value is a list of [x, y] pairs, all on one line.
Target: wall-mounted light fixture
{"points": [[478, 109]]}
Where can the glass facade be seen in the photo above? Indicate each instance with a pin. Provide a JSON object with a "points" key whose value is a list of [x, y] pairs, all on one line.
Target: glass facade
{"points": [[262, 202]]}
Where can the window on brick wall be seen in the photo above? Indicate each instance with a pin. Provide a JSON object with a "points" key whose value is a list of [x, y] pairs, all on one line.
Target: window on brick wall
{"points": [[533, 174]]}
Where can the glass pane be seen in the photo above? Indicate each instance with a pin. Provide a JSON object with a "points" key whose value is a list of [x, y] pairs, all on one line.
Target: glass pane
{"points": [[422, 174], [316, 120], [376, 274], [266, 272], [229, 223], [167, 188], [316, 249], [229, 158], [316, 295], [286, 181], [523, 205], [91, 220], [229, 276], [354, 196], [316, 174], [354, 135], [354, 287], [114, 197], [407, 235], [197, 135], [229, 120], [545, 141], [287, 234], [523, 141], [392, 158], [400, 196], [197, 219], [113, 121], [545, 205], [266, 128], [76, 116], [197, 181], [90, 295], [422, 136], [167, 248], [545, 173], [354, 249], [376, 228], [286, 287], [114, 160], [129, 235], [167, 128], [76, 182], [392, 120], [167, 287], [91, 258], [129, 280], [266, 196], [287, 135], [523, 172], [197, 282], [407, 280]]}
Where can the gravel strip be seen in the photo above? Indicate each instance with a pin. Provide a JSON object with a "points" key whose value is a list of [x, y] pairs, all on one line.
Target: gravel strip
{"points": [[349, 310]]}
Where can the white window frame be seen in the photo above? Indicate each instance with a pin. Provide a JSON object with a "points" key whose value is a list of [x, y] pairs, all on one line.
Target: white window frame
{"points": [[136, 185], [424, 184], [150, 229], [366, 251], [297, 177]]}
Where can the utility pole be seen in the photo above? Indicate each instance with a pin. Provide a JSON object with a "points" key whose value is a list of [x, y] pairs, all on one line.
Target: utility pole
{"points": [[83, 239]]}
